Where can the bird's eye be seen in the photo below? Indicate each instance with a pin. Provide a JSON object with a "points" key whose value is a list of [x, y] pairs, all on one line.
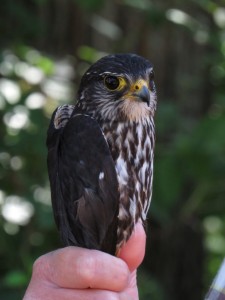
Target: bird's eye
{"points": [[112, 82], [151, 81], [151, 75]]}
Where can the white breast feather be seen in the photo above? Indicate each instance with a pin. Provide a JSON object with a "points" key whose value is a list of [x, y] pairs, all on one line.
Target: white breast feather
{"points": [[121, 169]]}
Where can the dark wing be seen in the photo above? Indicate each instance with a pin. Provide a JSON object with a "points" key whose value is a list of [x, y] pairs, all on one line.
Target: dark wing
{"points": [[83, 181]]}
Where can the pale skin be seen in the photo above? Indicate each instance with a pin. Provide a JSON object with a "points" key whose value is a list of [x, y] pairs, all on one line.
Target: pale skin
{"points": [[82, 274]]}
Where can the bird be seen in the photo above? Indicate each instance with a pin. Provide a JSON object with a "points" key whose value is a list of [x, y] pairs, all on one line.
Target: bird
{"points": [[101, 152]]}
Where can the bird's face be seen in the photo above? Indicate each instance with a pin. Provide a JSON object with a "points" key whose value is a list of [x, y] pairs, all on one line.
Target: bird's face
{"points": [[119, 87]]}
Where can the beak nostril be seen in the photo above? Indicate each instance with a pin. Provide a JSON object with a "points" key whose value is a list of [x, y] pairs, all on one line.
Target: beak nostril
{"points": [[142, 92]]}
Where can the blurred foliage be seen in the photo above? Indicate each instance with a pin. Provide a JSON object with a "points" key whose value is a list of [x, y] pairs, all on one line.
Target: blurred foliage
{"points": [[29, 92], [189, 182]]}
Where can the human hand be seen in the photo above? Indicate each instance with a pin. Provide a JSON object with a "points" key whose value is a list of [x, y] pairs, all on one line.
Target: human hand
{"points": [[77, 273]]}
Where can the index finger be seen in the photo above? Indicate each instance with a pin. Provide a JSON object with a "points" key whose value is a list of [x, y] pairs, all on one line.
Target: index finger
{"points": [[78, 268]]}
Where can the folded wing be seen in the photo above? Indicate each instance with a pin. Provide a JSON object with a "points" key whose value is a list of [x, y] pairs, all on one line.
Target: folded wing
{"points": [[83, 180]]}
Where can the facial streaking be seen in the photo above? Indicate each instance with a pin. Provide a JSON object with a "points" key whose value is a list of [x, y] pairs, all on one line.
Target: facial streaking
{"points": [[125, 91]]}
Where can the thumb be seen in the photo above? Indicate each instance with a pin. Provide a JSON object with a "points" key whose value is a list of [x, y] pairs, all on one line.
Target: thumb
{"points": [[133, 251]]}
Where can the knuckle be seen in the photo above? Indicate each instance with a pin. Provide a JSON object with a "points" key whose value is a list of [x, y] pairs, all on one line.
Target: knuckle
{"points": [[62, 258], [87, 267], [124, 275], [39, 266]]}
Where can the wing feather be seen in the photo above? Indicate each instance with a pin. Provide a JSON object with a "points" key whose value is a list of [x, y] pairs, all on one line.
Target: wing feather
{"points": [[83, 181]]}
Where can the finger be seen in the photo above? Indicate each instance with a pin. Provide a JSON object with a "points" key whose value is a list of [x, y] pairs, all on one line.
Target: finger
{"points": [[66, 294], [132, 289], [46, 292], [133, 251], [78, 268]]}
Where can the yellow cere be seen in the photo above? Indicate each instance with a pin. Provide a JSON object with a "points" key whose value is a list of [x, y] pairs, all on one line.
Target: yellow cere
{"points": [[138, 85]]}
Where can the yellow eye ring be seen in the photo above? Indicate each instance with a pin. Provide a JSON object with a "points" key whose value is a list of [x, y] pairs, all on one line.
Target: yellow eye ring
{"points": [[114, 83]]}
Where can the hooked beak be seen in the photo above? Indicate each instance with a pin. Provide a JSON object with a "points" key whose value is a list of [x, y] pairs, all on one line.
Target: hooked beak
{"points": [[139, 91], [143, 94]]}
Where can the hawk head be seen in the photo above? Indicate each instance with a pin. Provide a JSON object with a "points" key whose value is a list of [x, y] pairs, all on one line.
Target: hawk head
{"points": [[118, 87]]}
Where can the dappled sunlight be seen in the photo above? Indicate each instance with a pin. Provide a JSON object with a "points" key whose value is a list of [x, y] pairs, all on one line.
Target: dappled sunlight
{"points": [[200, 32], [215, 243], [31, 74], [11, 228], [17, 210], [35, 100], [59, 85], [201, 36], [8, 63], [33, 56], [2, 197], [64, 69], [18, 118], [219, 16], [42, 195], [213, 224], [179, 17], [105, 27], [16, 163], [57, 89], [10, 90]]}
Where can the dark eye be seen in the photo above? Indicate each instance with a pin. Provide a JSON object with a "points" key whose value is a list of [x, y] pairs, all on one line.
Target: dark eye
{"points": [[111, 82], [151, 81], [151, 75]]}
